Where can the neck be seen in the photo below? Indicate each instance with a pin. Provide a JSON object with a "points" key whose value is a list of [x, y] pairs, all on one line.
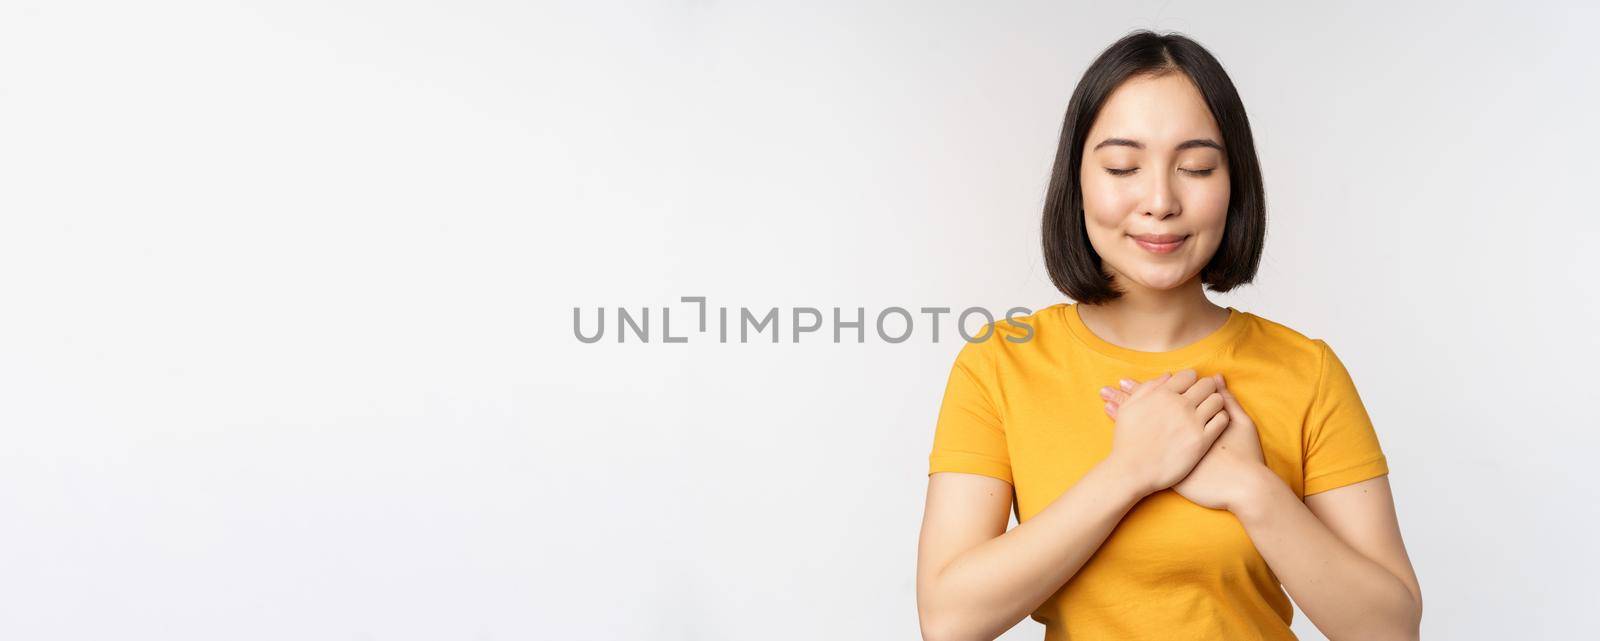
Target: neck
{"points": [[1151, 320]]}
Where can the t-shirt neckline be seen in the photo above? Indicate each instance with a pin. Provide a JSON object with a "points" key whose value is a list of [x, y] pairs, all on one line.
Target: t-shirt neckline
{"points": [[1179, 358]]}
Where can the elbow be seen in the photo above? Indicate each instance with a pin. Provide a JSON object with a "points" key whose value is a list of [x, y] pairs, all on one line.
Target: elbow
{"points": [[940, 626], [946, 617], [936, 626], [926, 619], [934, 616], [932, 628], [940, 634], [1415, 631], [1397, 626], [1412, 629], [945, 629]]}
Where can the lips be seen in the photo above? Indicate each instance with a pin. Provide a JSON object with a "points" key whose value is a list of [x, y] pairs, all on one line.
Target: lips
{"points": [[1159, 243], [1160, 238]]}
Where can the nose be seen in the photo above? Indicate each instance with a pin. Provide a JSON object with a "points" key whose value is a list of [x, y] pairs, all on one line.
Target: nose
{"points": [[1162, 203]]}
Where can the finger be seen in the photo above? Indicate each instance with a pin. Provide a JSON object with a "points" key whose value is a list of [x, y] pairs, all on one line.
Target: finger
{"points": [[1114, 395], [1232, 407], [1181, 380], [1231, 404], [1209, 407], [1200, 390], [1151, 384], [1114, 399], [1214, 427], [1128, 385]]}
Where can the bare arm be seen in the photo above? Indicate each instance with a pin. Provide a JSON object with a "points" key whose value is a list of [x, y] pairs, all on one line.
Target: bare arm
{"points": [[1340, 555], [975, 580]]}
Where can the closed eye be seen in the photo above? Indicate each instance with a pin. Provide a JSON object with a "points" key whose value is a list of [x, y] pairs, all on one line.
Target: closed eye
{"points": [[1123, 172]]}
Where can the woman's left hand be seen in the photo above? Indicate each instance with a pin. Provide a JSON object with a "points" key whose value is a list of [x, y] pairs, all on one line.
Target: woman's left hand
{"points": [[1224, 477]]}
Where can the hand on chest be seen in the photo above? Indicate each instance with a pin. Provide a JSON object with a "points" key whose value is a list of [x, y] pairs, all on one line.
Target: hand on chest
{"points": [[1058, 429]]}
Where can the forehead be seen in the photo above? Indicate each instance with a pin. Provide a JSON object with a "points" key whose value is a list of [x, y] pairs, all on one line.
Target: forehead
{"points": [[1158, 111]]}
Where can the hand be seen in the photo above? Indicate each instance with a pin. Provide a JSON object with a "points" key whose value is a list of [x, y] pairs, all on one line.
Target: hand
{"points": [[1164, 426], [1223, 477]]}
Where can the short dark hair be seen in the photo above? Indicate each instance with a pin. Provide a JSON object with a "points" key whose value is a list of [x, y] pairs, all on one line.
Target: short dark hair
{"points": [[1074, 266]]}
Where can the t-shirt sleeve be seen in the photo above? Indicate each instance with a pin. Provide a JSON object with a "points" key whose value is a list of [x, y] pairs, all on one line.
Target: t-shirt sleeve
{"points": [[1341, 446], [970, 434]]}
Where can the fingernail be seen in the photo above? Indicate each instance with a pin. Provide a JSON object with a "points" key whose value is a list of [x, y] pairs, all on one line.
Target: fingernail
{"points": [[1105, 393], [1127, 385], [1108, 407]]}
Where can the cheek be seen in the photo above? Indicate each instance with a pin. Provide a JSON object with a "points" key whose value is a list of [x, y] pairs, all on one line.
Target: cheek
{"points": [[1215, 192], [1210, 208], [1103, 204]]}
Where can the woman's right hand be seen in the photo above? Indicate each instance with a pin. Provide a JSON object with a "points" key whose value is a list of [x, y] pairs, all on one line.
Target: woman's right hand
{"points": [[1164, 427]]}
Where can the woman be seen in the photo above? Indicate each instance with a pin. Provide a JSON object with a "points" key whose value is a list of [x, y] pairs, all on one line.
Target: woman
{"points": [[1175, 465]]}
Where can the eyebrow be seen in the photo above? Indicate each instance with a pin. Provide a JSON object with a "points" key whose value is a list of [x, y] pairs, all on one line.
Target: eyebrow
{"points": [[1187, 144]]}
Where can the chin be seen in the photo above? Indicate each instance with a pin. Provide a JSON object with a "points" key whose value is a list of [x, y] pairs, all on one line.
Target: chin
{"points": [[1160, 282], [1160, 287]]}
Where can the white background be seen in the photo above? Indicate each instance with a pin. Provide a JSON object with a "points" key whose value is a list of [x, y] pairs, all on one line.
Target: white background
{"points": [[286, 345]]}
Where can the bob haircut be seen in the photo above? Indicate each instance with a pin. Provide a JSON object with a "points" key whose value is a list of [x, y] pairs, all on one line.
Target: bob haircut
{"points": [[1074, 267]]}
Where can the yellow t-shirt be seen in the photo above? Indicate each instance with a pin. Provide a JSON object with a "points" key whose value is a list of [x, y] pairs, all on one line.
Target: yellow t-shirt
{"points": [[1030, 414]]}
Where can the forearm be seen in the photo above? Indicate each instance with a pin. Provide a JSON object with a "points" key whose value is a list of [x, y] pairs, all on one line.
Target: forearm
{"points": [[1346, 595], [988, 589]]}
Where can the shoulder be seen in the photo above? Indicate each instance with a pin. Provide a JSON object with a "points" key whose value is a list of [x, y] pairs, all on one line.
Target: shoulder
{"points": [[1011, 332], [1266, 333], [1276, 341], [1020, 325]]}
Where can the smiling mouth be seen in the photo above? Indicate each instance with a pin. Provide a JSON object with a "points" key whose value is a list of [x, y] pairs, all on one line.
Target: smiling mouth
{"points": [[1159, 243]]}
